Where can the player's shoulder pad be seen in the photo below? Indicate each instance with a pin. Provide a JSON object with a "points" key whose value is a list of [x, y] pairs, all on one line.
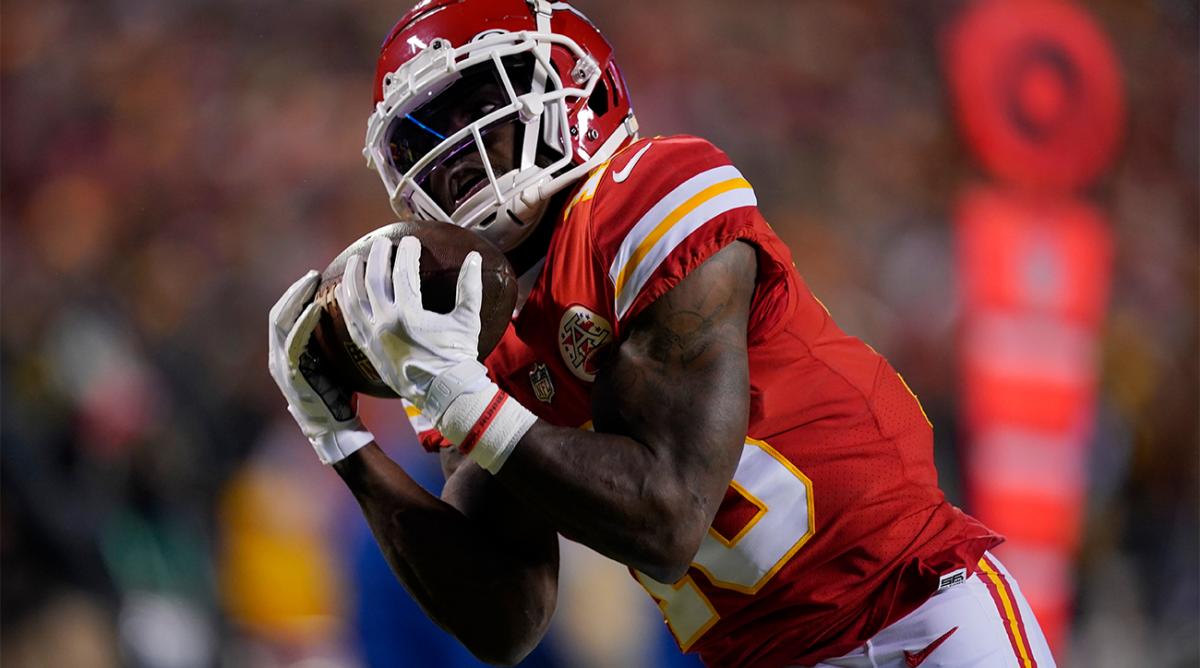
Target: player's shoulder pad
{"points": [[649, 169], [654, 195]]}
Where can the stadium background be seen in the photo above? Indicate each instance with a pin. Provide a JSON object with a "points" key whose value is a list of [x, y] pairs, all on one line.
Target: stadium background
{"points": [[169, 167]]}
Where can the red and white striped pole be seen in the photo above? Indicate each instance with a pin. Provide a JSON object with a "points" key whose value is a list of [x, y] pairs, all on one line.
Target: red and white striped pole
{"points": [[1037, 95]]}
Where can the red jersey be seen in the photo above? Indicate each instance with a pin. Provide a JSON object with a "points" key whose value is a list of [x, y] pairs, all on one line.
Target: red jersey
{"points": [[833, 525]]}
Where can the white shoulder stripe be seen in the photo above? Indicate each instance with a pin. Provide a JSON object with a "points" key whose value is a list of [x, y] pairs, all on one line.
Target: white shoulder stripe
{"points": [[734, 199], [680, 213], [663, 208]]}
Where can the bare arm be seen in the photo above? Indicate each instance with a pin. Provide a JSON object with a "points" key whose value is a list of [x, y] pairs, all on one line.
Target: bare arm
{"points": [[670, 407], [481, 566], [670, 411]]}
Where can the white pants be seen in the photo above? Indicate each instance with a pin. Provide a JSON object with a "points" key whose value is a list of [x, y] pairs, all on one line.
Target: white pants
{"points": [[983, 622]]}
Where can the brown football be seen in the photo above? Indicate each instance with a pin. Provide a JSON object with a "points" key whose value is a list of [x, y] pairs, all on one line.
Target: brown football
{"points": [[443, 249]]}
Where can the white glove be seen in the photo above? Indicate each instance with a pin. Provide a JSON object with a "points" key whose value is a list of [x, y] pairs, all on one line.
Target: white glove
{"points": [[429, 358], [409, 346], [325, 411]]}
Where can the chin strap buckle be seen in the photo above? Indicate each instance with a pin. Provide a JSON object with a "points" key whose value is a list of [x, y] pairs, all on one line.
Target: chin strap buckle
{"points": [[631, 125], [584, 70]]}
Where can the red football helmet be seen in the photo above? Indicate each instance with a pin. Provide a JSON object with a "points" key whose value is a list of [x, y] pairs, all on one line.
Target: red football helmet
{"points": [[484, 109]]}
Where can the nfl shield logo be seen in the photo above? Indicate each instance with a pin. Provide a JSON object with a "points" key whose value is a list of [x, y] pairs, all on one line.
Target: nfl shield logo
{"points": [[543, 387]]}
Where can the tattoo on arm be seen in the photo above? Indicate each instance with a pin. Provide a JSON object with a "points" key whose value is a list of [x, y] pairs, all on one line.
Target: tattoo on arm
{"points": [[686, 329], [670, 407], [688, 343]]}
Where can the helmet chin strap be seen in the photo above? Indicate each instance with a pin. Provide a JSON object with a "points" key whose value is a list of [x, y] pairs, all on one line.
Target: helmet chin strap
{"points": [[529, 207], [524, 216]]}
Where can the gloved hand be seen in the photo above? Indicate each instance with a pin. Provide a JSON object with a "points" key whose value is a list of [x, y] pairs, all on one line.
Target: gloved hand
{"points": [[426, 357], [325, 411]]}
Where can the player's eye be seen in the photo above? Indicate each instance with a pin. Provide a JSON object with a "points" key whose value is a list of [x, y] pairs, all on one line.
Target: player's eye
{"points": [[400, 155], [473, 112]]}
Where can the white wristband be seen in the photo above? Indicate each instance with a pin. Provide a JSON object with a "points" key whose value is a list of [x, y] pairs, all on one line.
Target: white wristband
{"points": [[334, 446], [486, 425]]}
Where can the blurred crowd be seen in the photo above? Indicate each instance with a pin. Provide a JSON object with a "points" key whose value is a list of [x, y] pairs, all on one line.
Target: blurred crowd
{"points": [[169, 167]]}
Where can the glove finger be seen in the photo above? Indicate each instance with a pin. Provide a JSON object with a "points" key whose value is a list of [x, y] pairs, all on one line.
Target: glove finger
{"points": [[469, 297], [378, 277], [298, 338], [285, 311], [355, 308], [351, 316], [406, 273]]}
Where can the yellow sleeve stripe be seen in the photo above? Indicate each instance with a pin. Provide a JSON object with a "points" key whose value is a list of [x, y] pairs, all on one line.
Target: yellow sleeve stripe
{"points": [[687, 207], [683, 211]]}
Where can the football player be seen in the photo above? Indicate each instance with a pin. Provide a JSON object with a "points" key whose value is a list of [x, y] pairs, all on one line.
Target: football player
{"points": [[669, 392]]}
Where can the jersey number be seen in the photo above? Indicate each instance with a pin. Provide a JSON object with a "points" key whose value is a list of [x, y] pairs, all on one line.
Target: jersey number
{"points": [[746, 562]]}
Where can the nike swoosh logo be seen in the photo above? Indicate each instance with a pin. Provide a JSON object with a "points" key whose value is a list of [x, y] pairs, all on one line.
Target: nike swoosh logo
{"points": [[620, 176], [914, 659]]}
